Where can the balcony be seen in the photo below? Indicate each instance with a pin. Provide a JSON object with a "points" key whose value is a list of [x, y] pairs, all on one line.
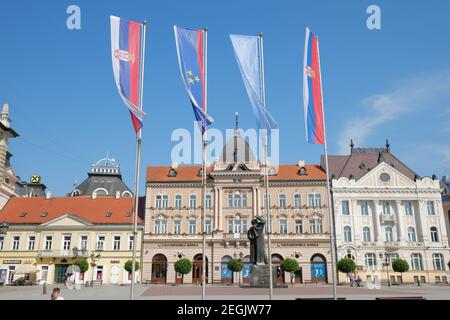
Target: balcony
{"points": [[387, 218], [74, 253]]}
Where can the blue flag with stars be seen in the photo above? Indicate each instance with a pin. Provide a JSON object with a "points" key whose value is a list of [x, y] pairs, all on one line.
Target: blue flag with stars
{"points": [[190, 50]]}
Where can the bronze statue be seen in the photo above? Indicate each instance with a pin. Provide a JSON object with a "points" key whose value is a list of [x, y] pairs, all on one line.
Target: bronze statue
{"points": [[256, 236]]}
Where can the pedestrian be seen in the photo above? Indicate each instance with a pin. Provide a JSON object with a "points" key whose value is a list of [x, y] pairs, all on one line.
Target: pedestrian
{"points": [[56, 294], [358, 281], [351, 279]]}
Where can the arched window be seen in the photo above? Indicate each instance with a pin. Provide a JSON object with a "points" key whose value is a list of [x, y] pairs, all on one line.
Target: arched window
{"points": [[434, 234], [412, 234], [244, 201], [366, 234], [297, 200], [126, 194], [388, 234], [101, 192], [282, 200], [438, 262], [230, 200], [347, 234]]}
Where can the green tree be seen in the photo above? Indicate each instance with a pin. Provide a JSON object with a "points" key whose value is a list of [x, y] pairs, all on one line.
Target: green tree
{"points": [[83, 264], [129, 266], [346, 265], [289, 265], [400, 265], [235, 265], [183, 266]]}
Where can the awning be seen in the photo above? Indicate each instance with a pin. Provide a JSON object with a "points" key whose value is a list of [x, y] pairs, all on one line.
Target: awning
{"points": [[26, 268]]}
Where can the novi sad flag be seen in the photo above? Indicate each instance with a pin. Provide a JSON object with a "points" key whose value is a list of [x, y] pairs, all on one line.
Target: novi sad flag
{"points": [[312, 91], [190, 51], [126, 58]]}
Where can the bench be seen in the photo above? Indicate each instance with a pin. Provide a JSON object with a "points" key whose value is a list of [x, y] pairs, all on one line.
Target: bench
{"points": [[97, 282]]}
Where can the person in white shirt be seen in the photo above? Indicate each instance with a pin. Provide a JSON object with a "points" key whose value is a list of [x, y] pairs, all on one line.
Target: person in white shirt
{"points": [[56, 294]]}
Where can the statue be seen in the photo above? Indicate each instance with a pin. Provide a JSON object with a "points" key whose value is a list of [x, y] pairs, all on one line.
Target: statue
{"points": [[256, 236]]}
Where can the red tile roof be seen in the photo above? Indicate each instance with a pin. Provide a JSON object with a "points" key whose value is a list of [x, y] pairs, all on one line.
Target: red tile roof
{"points": [[92, 210], [191, 173]]}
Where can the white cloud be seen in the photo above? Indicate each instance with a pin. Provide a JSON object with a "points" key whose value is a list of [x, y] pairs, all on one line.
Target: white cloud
{"points": [[406, 96]]}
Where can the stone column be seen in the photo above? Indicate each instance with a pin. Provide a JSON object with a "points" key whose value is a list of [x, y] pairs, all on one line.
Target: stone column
{"points": [[220, 205], [216, 208], [400, 222], [376, 220], [422, 221]]}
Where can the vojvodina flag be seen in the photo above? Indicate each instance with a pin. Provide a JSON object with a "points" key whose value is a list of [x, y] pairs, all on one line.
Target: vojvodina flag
{"points": [[312, 91], [191, 58], [127, 67], [246, 50]]}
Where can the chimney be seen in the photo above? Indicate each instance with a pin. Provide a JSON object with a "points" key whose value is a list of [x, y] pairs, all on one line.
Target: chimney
{"points": [[48, 195], [94, 195], [117, 194]]}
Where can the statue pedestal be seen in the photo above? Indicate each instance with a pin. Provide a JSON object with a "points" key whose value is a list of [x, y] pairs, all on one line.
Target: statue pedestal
{"points": [[260, 277]]}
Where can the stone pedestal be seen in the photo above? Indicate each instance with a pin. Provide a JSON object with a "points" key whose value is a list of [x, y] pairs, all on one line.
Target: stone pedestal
{"points": [[260, 277]]}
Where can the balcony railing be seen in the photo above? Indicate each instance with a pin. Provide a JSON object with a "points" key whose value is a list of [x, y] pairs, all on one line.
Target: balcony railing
{"points": [[63, 253], [386, 218]]}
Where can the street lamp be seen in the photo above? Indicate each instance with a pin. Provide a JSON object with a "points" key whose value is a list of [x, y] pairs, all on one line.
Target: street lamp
{"points": [[93, 258], [386, 263], [4, 227]]}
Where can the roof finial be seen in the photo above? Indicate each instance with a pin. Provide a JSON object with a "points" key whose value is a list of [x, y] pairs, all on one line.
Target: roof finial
{"points": [[237, 121], [351, 145], [387, 145]]}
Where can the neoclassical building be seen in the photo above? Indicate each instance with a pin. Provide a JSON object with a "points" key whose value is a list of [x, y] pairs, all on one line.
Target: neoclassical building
{"points": [[384, 209], [235, 194]]}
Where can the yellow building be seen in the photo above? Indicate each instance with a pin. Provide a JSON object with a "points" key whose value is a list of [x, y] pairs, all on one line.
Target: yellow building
{"points": [[42, 236]]}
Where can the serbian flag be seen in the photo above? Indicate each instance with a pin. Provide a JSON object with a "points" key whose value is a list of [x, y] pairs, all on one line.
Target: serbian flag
{"points": [[126, 62], [191, 59], [312, 91]]}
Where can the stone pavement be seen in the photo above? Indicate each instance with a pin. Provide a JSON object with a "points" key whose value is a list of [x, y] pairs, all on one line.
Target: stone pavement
{"points": [[219, 292]]}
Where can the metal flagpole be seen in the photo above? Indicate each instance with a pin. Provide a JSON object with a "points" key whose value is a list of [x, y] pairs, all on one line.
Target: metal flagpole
{"points": [[205, 52], [138, 165], [269, 225], [330, 204]]}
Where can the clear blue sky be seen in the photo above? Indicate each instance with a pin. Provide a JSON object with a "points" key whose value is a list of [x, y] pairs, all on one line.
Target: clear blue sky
{"points": [[389, 83]]}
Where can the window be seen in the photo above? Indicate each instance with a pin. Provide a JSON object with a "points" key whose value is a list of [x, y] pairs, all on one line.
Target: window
{"points": [[83, 243], [157, 227], [411, 234], [208, 201], [345, 207], [298, 227], [430, 207], [31, 242], [177, 227], [237, 226], [314, 200], [297, 200], [386, 207], [66, 242], [15, 243], [282, 201], [237, 201], [192, 227], [178, 201], [416, 261], [244, 201], [388, 234], [48, 243], [116, 243], [130, 242], [160, 226], [434, 234], [283, 226], [158, 202], [266, 201], [371, 261], [408, 208], [44, 273], [366, 234], [230, 226], [244, 226], [364, 208], [230, 200], [438, 262], [100, 243], [347, 234], [208, 226], [268, 226], [192, 201], [2, 240], [392, 257], [315, 226]]}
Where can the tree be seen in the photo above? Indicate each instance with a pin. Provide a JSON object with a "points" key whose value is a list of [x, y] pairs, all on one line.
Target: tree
{"points": [[400, 265], [346, 265], [129, 266], [183, 266], [235, 265], [289, 265], [83, 264]]}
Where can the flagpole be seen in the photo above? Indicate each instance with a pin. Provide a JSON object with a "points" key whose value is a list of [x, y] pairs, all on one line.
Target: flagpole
{"points": [[138, 165], [205, 56], [330, 211], [269, 226]]}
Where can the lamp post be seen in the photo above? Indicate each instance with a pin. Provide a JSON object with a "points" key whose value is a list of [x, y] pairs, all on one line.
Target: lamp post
{"points": [[386, 263], [93, 264]]}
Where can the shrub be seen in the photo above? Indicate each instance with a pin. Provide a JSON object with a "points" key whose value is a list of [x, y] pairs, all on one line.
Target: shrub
{"points": [[346, 265], [235, 265], [400, 265], [289, 265], [183, 266], [129, 266], [83, 264]]}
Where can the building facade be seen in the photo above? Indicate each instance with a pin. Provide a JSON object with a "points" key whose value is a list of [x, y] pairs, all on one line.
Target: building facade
{"points": [[235, 194], [384, 211]]}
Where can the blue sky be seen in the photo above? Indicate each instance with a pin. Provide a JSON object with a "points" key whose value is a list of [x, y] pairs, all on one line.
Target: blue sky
{"points": [[390, 83]]}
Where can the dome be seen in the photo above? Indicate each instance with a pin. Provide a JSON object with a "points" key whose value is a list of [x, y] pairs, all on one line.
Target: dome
{"points": [[107, 163]]}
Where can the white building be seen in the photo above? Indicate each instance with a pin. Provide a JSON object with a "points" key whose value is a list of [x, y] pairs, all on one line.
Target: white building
{"points": [[382, 208]]}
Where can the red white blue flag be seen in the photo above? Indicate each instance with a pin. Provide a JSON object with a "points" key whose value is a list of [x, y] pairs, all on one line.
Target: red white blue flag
{"points": [[312, 91], [127, 66], [191, 58]]}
